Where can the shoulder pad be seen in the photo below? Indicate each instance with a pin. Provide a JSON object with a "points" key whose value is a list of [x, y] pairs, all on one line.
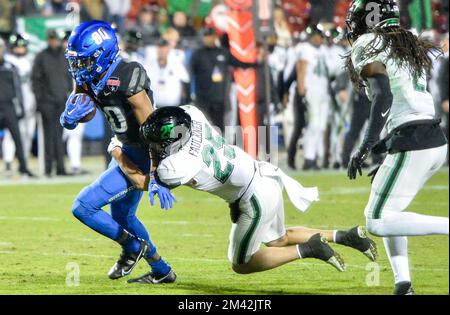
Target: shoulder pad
{"points": [[360, 49], [136, 79]]}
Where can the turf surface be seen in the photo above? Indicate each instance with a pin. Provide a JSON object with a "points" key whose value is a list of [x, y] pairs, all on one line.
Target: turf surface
{"points": [[41, 242]]}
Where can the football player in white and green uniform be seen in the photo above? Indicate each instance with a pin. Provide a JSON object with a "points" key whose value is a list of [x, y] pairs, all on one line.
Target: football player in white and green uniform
{"points": [[189, 151], [391, 63]]}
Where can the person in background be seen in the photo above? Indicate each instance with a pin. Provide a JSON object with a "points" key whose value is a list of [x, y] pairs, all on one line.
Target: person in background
{"points": [[282, 31], [338, 87], [52, 7], [170, 79], [162, 20], [11, 107], [21, 60], [289, 93], [147, 26], [6, 18], [172, 36], [313, 92], [180, 23], [132, 46], [27, 7], [118, 11], [176, 55], [210, 71], [94, 10], [322, 11], [51, 85]]}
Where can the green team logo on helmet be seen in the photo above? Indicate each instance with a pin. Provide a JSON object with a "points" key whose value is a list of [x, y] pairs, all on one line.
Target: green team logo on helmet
{"points": [[166, 131], [365, 15]]}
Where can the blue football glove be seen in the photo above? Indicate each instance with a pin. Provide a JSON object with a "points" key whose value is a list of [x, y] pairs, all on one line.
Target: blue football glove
{"points": [[76, 109], [165, 196]]}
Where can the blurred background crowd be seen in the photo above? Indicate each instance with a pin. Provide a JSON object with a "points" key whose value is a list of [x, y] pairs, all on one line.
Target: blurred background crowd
{"points": [[187, 56]]}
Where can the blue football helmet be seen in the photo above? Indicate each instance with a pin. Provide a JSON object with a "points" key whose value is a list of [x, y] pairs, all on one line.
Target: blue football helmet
{"points": [[91, 49]]}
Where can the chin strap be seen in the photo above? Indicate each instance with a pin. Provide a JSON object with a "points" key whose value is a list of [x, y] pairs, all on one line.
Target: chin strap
{"points": [[97, 88]]}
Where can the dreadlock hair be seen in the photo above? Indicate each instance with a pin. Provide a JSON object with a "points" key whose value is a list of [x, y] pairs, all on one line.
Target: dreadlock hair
{"points": [[408, 50]]}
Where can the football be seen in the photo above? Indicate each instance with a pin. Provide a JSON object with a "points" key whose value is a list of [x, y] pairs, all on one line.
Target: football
{"points": [[91, 115]]}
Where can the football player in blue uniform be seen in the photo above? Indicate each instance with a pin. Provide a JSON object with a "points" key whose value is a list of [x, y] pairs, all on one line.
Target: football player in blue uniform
{"points": [[121, 90]]}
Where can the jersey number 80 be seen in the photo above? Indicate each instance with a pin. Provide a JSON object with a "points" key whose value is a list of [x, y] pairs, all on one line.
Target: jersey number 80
{"points": [[99, 36]]}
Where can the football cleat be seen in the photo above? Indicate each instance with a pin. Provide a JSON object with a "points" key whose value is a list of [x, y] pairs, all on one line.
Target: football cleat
{"points": [[357, 238], [152, 278], [127, 262], [321, 250], [404, 288]]}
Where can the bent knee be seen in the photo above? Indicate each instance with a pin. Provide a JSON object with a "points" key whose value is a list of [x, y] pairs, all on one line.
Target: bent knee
{"points": [[375, 226], [281, 242], [78, 210], [81, 210]]}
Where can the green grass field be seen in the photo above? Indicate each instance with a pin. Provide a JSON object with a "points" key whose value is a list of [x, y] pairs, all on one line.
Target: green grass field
{"points": [[40, 238]]}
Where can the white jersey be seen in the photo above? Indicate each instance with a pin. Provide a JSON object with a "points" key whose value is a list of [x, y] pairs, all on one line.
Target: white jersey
{"points": [[207, 163], [335, 60], [167, 82], [277, 61], [291, 60], [24, 65], [316, 81], [411, 100]]}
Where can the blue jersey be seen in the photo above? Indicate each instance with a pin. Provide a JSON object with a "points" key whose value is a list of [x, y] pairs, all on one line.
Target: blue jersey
{"points": [[128, 79]]}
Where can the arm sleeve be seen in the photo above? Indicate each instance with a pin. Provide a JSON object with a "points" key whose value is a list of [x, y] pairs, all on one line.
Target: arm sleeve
{"points": [[138, 81], [443, 80], [381, 105]]}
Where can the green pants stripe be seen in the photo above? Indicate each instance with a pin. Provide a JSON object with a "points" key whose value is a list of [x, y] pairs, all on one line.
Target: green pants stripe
{"points": [[389, 184], [251, 230]]}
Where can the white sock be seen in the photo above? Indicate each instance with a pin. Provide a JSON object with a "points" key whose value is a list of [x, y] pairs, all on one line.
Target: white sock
{"points": [[397, 252], [298, 252], [74, 146], [408, 224], [334, 236]]}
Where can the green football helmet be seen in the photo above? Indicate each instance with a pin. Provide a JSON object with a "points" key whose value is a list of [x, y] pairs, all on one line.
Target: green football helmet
{"points": [[364, 15], [166, 130]]}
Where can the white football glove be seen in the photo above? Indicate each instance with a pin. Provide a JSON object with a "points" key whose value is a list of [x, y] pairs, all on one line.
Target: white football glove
{"points": [[115, 143]]}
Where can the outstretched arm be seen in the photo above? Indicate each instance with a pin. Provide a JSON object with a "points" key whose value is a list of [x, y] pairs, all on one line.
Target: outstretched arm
{"points": [[140, 180], [131, 170]]}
